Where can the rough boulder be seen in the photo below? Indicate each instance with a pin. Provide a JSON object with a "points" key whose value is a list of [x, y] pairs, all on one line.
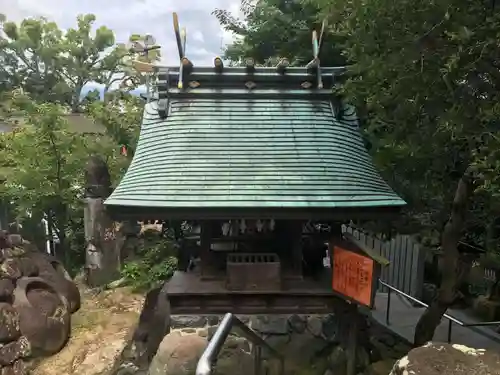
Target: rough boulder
{"points": [[448, 359], [37, 298]]}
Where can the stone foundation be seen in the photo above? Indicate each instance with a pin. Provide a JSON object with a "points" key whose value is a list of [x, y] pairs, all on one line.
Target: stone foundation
{"points": [[311, 345]]}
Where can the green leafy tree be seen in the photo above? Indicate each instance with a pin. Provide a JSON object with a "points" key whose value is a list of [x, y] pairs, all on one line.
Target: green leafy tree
{"points": [[425, 78], [273, 29], [42, 72], [45, 164], [54, 65], [426, 74], [399, 84], [121, 115]]}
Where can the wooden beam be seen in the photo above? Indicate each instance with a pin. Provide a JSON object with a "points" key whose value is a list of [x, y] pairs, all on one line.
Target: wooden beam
{"points": [[282, 65], [217, 213], [242, 92], [187, 66], [208, 71], [218, 64], [250, 65], [178, 35]]}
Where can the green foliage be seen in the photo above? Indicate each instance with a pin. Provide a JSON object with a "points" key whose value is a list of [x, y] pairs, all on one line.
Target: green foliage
{"points": [[120, 115], [424, 73], [44, 163], [50, 64], [154, 263], [54, 65], [490, 261], [277, 28], [425, 79], [75, 242], [42, 72], [44, 157]]}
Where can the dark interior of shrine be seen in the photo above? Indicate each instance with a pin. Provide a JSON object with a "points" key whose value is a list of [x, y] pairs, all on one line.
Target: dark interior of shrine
{"points": [[256, 254]]}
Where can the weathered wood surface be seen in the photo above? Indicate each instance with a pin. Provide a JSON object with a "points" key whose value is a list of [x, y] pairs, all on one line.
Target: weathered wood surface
{"points": [[406, 269], [189, 294]]}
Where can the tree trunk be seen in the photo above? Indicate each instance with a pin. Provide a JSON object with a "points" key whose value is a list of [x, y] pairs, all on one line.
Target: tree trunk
{"points": [[64, 248], [59, 220], [452, 232]]}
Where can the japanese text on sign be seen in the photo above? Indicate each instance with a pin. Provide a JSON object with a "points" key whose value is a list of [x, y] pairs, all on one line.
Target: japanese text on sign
{"points": [[353, 275]]}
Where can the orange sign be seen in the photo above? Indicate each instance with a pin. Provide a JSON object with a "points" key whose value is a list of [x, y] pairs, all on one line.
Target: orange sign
{"points": [[353, 275]]}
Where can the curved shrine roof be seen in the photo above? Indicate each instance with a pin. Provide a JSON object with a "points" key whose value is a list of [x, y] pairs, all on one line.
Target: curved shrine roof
{"points": [[250, 153]]}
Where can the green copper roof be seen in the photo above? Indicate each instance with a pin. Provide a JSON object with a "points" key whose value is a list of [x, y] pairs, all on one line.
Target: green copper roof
{"points": [[250, 151]]}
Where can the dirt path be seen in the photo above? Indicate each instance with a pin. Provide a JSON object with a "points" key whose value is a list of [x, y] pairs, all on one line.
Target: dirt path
{"points": [[99, 333]]}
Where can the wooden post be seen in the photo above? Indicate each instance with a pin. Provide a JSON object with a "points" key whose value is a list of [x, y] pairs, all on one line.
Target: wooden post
{"points": [[418, 266], [102, 253], [336, 230], [296, 235], [208, 265], [352, 345]]}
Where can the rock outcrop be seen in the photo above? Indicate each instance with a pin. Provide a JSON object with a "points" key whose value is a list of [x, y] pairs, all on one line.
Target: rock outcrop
{"points": [[448, 359], [179, 353], [37, 298]]}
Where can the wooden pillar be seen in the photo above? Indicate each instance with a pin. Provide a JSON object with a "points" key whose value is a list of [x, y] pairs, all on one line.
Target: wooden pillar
{"points": [[102, 251], [336, 229], [207, 257], [352, 343], [296, 237]]}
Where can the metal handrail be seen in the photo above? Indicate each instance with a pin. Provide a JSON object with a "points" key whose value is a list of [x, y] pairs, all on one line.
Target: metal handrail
{"points": [[209, 357], [451, 319]]}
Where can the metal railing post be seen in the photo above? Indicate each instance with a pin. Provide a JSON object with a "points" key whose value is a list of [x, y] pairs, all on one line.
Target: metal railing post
{"points": [[257, 356], [209, 357], [282, 366], [450, 323], [451, 319], [387, 312]]}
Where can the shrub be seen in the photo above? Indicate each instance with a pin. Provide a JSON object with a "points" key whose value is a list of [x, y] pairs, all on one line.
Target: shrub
{"points": [[153, 263]]}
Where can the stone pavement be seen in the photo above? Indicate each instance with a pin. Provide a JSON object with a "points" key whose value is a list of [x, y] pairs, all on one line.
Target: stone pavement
{"points": [[404, 317]]}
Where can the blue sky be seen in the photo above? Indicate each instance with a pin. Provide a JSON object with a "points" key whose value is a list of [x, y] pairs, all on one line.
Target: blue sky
{"points": [[205, 37]]}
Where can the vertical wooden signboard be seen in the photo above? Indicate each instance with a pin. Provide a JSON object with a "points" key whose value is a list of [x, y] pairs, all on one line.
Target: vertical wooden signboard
{"points": [[353, 276]]}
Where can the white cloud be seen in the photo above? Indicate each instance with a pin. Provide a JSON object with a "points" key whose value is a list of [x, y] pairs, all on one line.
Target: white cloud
{"points": [[198, 36], [204, 35]]}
